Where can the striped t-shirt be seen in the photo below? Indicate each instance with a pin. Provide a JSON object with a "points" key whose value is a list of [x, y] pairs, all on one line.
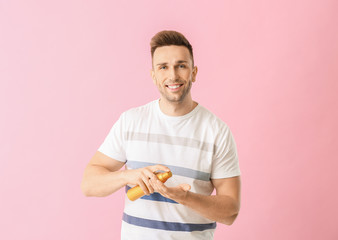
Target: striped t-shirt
{"points": [[197, 147]]}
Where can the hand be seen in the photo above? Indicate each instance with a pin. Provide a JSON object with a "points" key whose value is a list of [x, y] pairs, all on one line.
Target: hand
{"points": [[177, 193], [142, 176]]}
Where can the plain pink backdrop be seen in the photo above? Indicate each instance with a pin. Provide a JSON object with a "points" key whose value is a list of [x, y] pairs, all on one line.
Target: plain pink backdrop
{"points": [[68, 69]]}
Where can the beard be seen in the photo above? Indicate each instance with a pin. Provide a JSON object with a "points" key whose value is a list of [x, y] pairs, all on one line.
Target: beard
{"points": [[176, 97]]}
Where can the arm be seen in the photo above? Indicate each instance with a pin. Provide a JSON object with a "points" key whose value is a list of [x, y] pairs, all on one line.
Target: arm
{"points": [[222, 207], [102, 176]]}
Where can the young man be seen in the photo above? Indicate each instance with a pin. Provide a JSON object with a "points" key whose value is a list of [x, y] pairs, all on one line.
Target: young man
{"points": [[172, 133]]}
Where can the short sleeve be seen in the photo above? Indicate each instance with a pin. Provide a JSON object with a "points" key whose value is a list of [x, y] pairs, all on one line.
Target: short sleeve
{"points": [[113, 145], [225, 161]]}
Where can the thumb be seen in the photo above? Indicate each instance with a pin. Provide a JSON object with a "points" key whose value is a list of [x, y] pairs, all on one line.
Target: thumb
{"points": [[186, 187]]}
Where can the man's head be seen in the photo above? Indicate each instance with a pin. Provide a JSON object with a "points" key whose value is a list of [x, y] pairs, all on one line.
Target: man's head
{"points": [[173, 69], [167, 38]]}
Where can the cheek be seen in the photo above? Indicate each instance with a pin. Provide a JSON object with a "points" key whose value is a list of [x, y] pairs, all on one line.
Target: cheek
{"points": [[187, 75], [159, 81], [161, 78]]}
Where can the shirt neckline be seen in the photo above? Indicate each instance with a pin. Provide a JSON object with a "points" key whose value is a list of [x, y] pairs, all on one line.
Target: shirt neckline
{"points": [[175, 118]]}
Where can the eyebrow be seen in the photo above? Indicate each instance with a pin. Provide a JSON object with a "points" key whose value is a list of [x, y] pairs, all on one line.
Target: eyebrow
{"points": [[180, 61]]}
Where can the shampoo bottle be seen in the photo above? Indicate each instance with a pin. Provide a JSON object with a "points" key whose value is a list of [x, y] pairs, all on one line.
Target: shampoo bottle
{"points": [[137, 192]]}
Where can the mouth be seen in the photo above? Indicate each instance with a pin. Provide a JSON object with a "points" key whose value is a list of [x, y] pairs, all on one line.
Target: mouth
{"points": [[174, 87]]}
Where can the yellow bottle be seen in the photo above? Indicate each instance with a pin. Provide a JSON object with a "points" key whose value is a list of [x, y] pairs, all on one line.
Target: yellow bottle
{"points": [[137, 192]]}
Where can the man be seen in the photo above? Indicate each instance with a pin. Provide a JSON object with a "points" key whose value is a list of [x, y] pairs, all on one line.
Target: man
{"points": [[173, 133]]}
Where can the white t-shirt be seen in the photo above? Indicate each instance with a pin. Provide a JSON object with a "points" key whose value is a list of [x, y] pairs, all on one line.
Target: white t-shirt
{"points": [[197, 147]]}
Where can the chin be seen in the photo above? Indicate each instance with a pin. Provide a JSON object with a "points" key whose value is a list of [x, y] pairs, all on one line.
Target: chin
{"points": [[177, 99]]}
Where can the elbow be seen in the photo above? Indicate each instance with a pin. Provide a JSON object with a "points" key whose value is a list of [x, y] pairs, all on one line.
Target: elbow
{"points": [[230, 220], [231, 216], [86, 186], [85, 189], [88, 189]]}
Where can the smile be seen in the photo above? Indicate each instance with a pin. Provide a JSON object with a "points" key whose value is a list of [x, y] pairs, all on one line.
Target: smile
{"points": [[174, 87]]}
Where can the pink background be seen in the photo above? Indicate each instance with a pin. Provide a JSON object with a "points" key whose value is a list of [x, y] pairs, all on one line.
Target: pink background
{"points": [[68, 69]]}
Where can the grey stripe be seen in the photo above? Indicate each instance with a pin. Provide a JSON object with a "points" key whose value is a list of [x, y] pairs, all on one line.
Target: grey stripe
{"points": [[181, 171], [172, 140]]}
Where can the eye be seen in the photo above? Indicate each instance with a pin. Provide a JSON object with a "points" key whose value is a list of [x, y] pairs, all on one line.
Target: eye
{"points": [[181, 66], [163, 67]]}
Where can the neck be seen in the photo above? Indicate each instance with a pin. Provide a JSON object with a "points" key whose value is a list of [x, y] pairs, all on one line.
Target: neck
{"points": [[177, 108]]}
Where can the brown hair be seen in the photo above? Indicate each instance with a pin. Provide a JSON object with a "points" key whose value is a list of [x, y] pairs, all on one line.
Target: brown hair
{"points": [[167, 38]]}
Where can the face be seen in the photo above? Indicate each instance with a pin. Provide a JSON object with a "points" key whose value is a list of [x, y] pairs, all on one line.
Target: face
{"points": [[173, 73]]}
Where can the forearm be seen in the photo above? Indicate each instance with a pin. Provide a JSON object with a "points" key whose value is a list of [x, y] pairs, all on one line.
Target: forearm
{"points": [[220, 208], [100, 182]]}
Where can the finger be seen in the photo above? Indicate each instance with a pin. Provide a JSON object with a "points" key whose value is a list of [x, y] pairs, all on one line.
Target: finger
{"points": [[143, 187], [186, 187], [153, 184], [148, 173], [147, 182], [159, 167], [161, 187]]}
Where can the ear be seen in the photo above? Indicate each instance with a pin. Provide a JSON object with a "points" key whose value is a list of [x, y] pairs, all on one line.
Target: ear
{"points": [[152, 73], [194, 73]]}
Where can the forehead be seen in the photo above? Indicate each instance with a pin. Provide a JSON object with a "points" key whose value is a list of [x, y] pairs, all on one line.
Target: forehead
{"points": [[168, 54]]}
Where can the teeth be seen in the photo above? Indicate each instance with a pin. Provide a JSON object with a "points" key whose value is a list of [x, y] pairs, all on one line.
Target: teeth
{"points": [[174, 87]]}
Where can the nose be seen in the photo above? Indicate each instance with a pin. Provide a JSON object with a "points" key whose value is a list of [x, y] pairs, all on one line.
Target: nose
{"points": [[172, 74]]}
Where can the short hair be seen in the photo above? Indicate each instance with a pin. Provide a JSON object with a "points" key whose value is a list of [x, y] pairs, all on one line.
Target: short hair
{"points": [[167, 38]]}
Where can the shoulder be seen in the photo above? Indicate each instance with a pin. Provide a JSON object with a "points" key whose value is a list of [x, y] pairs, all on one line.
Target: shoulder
{"points": [[214, 121], [138, 112]]}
